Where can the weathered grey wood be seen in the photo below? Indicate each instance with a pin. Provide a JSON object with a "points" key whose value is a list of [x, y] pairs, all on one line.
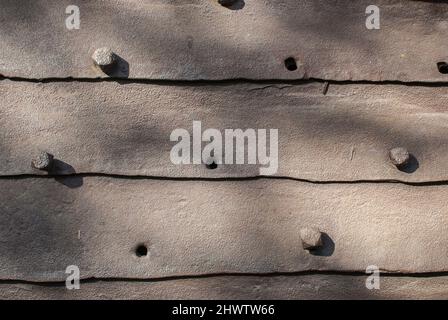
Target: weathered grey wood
{"points": [[197, 227], [241, 287], [196, 39], [125, 129]]}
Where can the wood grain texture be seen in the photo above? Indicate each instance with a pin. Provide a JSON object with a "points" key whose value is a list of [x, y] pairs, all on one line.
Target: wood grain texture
{"points": [[124, 129], [241, 287], [199, 39], [215, 227]]}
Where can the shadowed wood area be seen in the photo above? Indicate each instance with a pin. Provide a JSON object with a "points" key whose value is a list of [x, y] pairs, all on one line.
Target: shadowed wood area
{"points": [[197, 228], [200, 39], [125, 128], [340, 132], [316, 286]]}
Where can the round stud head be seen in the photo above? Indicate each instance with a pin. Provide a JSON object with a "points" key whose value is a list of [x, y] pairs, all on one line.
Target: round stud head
{"points": [[399, 156], [43, 161], [104, 57], [311, 238]]}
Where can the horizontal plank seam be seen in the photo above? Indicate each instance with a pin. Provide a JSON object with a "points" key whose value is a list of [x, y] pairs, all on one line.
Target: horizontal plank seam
{"points": [[384, 273], [220, 179], [199, 82]]}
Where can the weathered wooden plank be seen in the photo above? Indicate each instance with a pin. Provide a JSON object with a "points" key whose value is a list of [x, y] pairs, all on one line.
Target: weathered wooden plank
{"points": [[214, 227], [125, 129], [193, 39], [241, 287]]}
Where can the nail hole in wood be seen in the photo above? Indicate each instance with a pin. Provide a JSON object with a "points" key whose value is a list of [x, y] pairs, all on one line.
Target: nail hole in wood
{"points": [[443, 67], [141, 250], [291, 64]]}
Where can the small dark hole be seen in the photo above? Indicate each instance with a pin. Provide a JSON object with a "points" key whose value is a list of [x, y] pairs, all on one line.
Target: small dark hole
{"points": [[141, 251], [443, 67], [232, 4], [291, 64], [411, 166], [211, 166]]}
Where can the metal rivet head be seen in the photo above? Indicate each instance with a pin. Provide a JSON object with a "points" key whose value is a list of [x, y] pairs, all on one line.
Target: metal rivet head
{"points": [[104, 57], [311, 238], [399, 156], [44, 161]]}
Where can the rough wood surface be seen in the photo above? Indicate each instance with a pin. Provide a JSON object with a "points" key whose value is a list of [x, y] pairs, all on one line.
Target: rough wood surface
{"points": [[197, 227], [199, 39], [125, 129], [318, 286]]}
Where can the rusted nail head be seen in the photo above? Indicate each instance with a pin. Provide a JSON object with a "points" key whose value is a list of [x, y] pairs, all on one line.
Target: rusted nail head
{"points": [[399, 156], [43, 161], [311, 238], [104, 57]]}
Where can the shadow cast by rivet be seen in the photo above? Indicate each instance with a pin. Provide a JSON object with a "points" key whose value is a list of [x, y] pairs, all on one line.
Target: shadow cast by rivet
{"points": [[120, 69], [62, 168], [327, 247], [411, 166]]}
